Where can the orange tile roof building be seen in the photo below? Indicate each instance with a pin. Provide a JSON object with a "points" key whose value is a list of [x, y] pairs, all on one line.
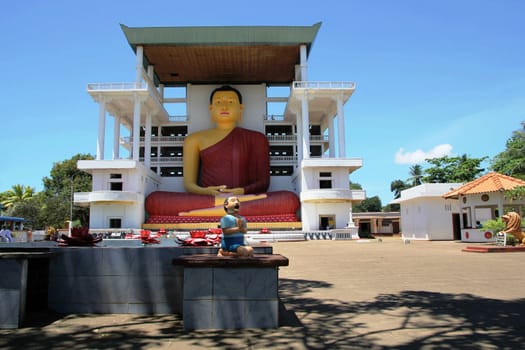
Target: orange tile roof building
{"points": [[484, 199]]}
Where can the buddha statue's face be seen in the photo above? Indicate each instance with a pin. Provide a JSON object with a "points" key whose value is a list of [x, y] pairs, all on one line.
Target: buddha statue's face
{"points": [[225, 108]]}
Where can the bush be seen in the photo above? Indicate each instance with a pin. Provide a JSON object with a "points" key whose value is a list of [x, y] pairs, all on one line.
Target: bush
{"points": [[511, 240], [494, 225]]}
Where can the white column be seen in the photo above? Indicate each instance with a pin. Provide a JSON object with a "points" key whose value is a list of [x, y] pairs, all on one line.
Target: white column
{"points": [[305, 126], [136, 128], [161, 91], [116, 138], [151, 72], [304, 63], [139, 64], [298, 141], [331, 137], [461, 222], [147, 141], [341, 127], [101, 128], [500, 208], [351, 223]]}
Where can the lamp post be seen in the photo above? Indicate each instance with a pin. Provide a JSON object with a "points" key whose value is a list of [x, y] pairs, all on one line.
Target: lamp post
{"points": [[70, 223]]}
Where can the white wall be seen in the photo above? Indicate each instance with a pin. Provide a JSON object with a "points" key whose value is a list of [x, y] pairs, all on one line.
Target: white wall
{"points": [[428, 218], [278, 183], [311, 212], [132, 215]]}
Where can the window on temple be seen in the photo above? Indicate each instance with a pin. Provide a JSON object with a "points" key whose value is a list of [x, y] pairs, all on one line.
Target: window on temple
{"points": [[154, 131], [316, 151], [178, 130], [115, 186], [325, 179], [115, 223], [171, 171], [281, 170], [281, 151], [171, 152]]}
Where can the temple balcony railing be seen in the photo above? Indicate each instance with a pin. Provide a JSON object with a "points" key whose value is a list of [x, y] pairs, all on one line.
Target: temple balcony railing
{"points": [[283, 159], [273, 117], [281, 138], [323, 138], [126, 197], [331, 195], [155, 139], [180, 139], [293, 138], [124, 87], [323, 85], [163, 159], [179, 118]]}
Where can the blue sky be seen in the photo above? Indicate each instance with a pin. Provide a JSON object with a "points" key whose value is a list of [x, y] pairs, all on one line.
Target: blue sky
{"points": [[435, 77]]}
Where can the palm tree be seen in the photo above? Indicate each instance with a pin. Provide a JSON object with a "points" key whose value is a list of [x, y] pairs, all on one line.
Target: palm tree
{"points": [[17, 193], [397, 186], [416, 175]]}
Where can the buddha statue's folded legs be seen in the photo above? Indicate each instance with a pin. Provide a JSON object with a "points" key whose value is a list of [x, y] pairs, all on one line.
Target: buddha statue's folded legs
{"points": [[163, 203]]}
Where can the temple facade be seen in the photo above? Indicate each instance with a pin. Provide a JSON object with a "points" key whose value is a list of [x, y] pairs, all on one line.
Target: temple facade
{"points": [[142, 124]]}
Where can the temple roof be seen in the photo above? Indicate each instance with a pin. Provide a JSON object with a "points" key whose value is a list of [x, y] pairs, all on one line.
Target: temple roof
{"points": [[204, 55], [491, 182]]}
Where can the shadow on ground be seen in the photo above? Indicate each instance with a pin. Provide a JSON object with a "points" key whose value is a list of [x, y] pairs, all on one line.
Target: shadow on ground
{"points": [[406, 320]]}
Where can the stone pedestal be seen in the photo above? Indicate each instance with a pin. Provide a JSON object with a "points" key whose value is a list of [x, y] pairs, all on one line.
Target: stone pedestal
{"points": [[230, 292]]}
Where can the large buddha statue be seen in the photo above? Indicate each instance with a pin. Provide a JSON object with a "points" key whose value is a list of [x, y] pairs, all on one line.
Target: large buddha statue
{"points": [[223, 161]]}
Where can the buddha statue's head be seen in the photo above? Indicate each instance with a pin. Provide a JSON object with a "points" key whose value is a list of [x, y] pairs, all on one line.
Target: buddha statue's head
{"points": [[226, 106]]}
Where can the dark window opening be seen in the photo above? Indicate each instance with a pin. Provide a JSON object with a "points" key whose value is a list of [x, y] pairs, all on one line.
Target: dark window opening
{"points": [[154, 131], [180, 130], [115, 186], [316, 151], [171, 152], [325, 184], [281, 151], [281, 170], [171, 171], [115, 223], [315, 130]]}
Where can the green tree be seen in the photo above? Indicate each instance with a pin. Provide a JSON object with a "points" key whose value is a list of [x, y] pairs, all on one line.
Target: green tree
{"points": [[31, 211], [397, 186], [511, 161], [355, 186], [64, 180], [371, 204], [416, 175], [453, 169], [516, 193], [16, 195]]}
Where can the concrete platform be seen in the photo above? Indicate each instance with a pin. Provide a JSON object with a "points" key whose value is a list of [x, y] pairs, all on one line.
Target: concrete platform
{"points": [[494, 249], [337, 295]]}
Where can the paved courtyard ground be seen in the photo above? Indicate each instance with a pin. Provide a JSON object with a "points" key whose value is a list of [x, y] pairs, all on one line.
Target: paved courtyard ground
{"points": [[337, 295]]}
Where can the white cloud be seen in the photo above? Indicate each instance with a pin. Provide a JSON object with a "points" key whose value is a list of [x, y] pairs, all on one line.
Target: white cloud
{"points": [[419, 156]]}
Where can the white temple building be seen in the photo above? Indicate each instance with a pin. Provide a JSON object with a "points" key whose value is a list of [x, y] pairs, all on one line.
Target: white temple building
{"points": [[142, 123]]}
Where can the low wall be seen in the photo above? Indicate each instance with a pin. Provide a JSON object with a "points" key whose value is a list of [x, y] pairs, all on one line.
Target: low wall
{"points": [[138, 279]]}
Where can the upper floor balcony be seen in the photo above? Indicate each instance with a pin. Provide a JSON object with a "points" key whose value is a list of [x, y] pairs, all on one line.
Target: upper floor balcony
{"points": [[119, 100], [323, 98], [179, 139], [125, 197]]}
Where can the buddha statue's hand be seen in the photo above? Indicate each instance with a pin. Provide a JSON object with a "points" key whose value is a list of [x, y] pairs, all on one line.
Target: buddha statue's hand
{"points": [[210, 190], [235, 191]]}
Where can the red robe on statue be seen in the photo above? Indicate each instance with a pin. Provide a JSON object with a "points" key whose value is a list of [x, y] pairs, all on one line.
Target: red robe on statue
{"points": [[241, 159]]}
